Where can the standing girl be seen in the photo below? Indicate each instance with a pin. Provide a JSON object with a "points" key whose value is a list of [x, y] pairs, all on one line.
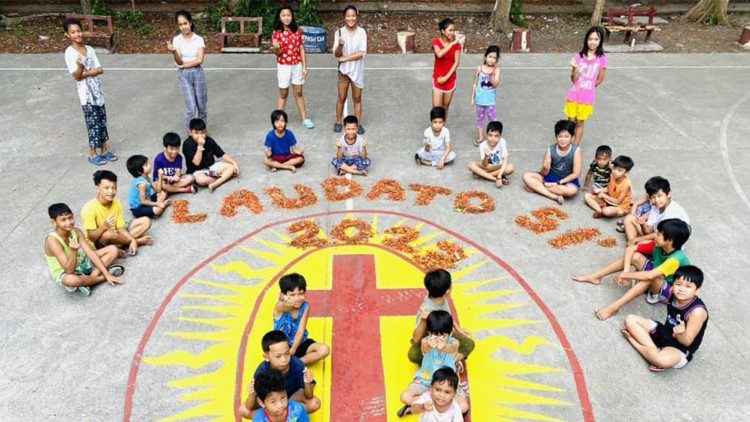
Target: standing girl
{"points": [[188, 49], [85, 68], [486, 80], [291, 64], [589, 69], [447, 51], [350, 47]]}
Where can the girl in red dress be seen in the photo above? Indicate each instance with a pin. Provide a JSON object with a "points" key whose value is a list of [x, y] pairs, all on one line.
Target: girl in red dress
{"points": [[447, 51]]}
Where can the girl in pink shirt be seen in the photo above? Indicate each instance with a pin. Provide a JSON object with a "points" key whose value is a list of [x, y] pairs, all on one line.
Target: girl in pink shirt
{"points": [[291, 63], [589, 69]]}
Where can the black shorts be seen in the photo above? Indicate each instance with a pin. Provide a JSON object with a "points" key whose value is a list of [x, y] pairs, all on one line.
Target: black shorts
{"points": [[302, 349], [662, 337]]}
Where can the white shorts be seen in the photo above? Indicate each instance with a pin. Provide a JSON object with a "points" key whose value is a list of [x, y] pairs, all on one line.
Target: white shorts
{"points": [[213, 171], [287, 74]]}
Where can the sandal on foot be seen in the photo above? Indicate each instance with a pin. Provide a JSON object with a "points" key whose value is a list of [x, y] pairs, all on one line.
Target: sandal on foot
{"points": [[85, 290], [337, 127], [110, 157], [505, 180], [116, 270], [597, 214], [308, 124], [406, 410], [620, 229], [416, 159], [97, 160]]}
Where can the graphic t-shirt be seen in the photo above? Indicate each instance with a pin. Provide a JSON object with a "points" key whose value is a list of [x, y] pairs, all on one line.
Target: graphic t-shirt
{"points": [[600, 175], [583, 90], [296, 414], [280, 146], [453, 414], [89, 88], [497, 154], [486, 93], [170, 168], [351, 150], [438, 143], [290, 44]]}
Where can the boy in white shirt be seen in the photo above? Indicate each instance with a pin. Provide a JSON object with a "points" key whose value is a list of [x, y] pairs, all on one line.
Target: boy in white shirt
{"points": [[495, 165], [439, 404], [436, 151]]}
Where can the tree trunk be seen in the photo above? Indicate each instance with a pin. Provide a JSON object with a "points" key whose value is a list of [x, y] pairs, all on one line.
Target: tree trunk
{"points": [[86, 7], [500, 19], [596, 15], [708, 9]]}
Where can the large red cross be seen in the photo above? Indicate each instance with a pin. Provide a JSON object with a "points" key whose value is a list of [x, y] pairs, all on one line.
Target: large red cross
{"points": [[355, 304]]}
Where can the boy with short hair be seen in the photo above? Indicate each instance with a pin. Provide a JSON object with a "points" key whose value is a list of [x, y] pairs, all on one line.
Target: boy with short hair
{"points": [[672, 344], [271, 396], [438, 349], [658, 205], [104, 222], [290, 317], [298, 381], [145, 198], [438, 404], [200, 150], [436, 148], [85, 68], [615, 200], [438, 284], [281, 150], [168, 167], [658, 261], [351, 150], [72, 263], [494, 155], [599, 170]]}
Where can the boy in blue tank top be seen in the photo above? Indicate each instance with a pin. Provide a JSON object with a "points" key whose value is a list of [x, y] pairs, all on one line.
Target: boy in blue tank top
{"points": [[672, 344], [290, 317]]}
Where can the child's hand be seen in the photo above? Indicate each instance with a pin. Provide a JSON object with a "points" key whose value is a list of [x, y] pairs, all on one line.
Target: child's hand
{"points": [[236, 170], [133, 249], [275, 44], [160, 173], [642, 219], [304, 72], [574, 63], [73, 243], [585, 188], [432, 341], [441, 164], [170, 47], [441, 80], [111, 279], [110, 221], [679, 328], [487, 152], [307, 376], [251, 386], [341, 39], [423, 313], [428, 407], [441, 341]]}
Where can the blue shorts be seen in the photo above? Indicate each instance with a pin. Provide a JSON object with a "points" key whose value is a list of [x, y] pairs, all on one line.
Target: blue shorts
{"points": [[144, 210], [551, 178]]}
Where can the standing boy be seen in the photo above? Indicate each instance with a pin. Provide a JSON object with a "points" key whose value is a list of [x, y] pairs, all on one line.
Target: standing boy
{"points": [[658, 261], [672, 344], [168, 167], [104, 222], [615, 200], [200, 150], [297, 379], [436, 148], [85, 68], [639, 228], [71, 261], [494, 155], [438, 285]]}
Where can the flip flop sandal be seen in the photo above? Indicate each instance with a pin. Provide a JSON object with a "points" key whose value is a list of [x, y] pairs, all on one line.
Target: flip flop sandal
{"points": [[116, 270], [406, 410], [110, 157], [97, 160], [620, 229], [505, 181]]}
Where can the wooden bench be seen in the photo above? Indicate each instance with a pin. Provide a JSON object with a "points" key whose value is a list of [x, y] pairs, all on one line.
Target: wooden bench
{"points": [[91, 32], [254, 37], [631, 27]]}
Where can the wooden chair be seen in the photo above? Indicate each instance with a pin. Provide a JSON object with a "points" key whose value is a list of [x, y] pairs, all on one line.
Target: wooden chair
{"points": [[254, 37], [91, 32]]}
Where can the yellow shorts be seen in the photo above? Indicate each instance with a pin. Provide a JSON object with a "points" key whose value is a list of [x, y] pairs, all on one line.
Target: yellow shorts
{"points": [[578, 111]]}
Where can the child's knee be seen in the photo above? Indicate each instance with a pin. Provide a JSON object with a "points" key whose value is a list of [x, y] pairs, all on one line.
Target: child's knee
{"points": [[509, 169], [631, 320], [463, 403], [312, 405], [323, 350], [143, 222], [283, 93], [70, 280]]}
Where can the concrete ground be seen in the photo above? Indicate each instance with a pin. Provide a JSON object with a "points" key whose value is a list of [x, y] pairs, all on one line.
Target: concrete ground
{"points": [[685, 117]]}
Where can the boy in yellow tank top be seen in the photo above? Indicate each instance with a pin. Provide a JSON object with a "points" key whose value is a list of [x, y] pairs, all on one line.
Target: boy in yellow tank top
{"points": [[72, 263]]}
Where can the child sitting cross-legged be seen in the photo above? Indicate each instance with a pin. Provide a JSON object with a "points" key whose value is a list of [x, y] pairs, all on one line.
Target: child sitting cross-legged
{"points": [[298, 381], [145, 198], [271, 396], [290, 317], [439, 404], [168, 167], [282, 151], [615, 200], [494, 155], [672, 344], [438, 349], [72, 263], [351, 150], [436, 149]]}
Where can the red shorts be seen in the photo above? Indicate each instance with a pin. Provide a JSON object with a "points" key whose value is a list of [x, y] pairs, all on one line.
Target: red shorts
{"points": [[646, 248], [284, 158]]}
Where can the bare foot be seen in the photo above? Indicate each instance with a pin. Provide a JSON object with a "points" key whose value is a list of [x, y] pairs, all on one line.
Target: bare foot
{"points": [[560, 200], [341, 172], [363, 172], [626, 333], [293, 169], [528, 189], [273, 169], [146, 240], [499, 183], [477, 142], [505, 180], [586, 278], [654, 368], [211, 188], [606, 312]]}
